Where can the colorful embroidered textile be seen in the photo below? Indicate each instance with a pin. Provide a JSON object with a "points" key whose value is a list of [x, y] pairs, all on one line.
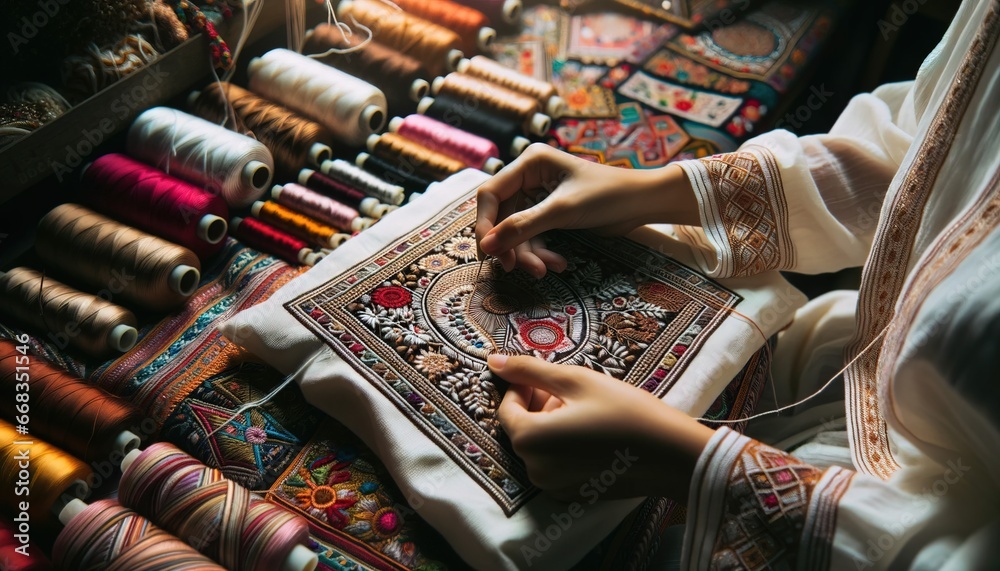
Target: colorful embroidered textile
{"points": [[396, 330], [719, 85]]}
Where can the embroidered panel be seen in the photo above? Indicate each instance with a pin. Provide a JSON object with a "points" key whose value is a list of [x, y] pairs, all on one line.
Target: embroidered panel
{"points": [[254, 447], [751, 208], [691, 104], [416, 324], [357, 516], [767, 499]]}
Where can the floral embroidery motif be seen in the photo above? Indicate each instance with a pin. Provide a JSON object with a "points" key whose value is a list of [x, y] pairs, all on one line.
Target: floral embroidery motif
{"points": [[752, 209], [420, 330], [671, 65], [462, 248], [341, 489]]}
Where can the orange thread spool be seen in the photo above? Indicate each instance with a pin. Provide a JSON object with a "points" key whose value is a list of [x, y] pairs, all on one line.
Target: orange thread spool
{"points": [[299, 225], [492, 71], [471, 25], [439, 48]]}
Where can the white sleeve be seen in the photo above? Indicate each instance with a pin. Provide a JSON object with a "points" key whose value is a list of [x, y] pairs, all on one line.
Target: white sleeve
{"points": [[807, 204]]}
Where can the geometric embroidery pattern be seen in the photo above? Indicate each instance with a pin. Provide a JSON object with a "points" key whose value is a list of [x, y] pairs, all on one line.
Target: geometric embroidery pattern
{"points": [[414, 321], [767, 500], [752, 209]]}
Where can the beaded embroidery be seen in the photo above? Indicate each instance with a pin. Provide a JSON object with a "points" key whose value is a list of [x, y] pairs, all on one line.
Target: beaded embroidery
{"points": [[410, 320]]}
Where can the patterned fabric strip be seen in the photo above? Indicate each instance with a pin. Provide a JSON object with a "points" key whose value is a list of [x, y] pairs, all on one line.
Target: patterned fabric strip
{"points": [[743, 210], [886, 269]]}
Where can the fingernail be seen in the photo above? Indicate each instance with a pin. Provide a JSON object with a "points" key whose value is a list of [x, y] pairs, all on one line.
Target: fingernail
{"points": [[496, 361], [487, 244]]}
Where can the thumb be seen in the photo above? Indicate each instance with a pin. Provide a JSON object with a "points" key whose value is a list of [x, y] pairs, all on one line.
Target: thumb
{"points": [[534, 372]]}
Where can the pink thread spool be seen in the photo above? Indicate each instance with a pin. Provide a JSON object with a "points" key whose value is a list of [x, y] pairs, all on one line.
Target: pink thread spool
{"points": [[221, 519], [342, 193], [156, 202], [268, 239], [323, 208], [473, 150]]}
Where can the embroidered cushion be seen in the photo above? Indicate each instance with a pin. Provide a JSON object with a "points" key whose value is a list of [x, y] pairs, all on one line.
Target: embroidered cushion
{"points": [[395, 326]]}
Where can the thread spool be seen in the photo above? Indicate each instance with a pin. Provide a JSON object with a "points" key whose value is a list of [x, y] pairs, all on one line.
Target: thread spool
{"points": [[18, 556], [499, 12], [357, 178], [294, 141], [268, 239], [439, 48], [398, 149], [295, 223], [474, 119], [53, 476], [473, 150], [390, 173], [87, 322], [471, 25], [501, 100], [342, 193], [111, 257], [349, 107], [78, 417], [186, 497], [326, 209], [401, 78], [188, 147], [156, 202], [492, 71], [106, 535]]}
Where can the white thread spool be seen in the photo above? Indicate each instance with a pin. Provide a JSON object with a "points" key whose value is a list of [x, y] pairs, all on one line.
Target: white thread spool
{"points": [[351, 108], [365, 181], [188, 147]]}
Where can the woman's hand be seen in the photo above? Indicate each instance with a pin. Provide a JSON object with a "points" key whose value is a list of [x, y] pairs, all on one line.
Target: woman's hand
{"points": [[571, 424], [546, 189]]}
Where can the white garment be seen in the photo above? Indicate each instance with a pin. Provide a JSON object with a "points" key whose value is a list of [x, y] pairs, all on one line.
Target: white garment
{"points": [[935, 386]]}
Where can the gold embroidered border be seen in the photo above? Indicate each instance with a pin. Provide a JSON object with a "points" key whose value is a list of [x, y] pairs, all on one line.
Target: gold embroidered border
{"points": [[750, 203], [885, 272]]}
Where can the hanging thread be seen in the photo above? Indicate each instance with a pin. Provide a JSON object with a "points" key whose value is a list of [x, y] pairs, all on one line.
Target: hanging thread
{"points": [[271, 240], [299, 225], [230, 524], [472, 117], [156, 202], [496, 98], [69, 317], [293, 140], [116, 259], [395, 148], [342, 193], [439, 48], [473, 150], [188, 147], [79, 417], [499, 12], [50, 479], [18, 556], [492, 71], [106, 536], [349, 107], [356, 177], [401, 78], [407, 179], [471, 25], [303, 200]]}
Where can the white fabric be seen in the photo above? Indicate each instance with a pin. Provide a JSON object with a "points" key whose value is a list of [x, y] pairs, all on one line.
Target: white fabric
{"points": [[938, 378], [441, 492]]}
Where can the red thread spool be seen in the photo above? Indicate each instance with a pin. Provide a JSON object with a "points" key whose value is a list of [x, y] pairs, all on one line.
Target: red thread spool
{"points": [[470, 24], [156, 202], [28, 558], [473, 150], [271, 240]]}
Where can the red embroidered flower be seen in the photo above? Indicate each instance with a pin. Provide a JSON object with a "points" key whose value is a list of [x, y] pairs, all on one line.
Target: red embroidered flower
{"points": [[392, 297], [683, 105]]}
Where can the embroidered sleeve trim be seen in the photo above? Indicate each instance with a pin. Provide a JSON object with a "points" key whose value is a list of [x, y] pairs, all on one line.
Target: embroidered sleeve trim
{"points": [[743, 211], [754, 507]]}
